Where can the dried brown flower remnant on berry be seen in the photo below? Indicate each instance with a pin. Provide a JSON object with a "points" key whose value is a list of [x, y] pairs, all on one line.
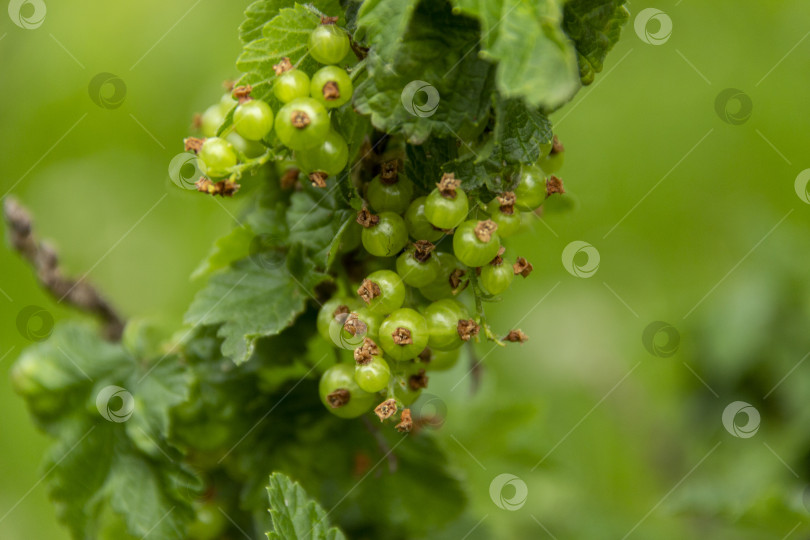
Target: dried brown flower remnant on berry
{"points": [[338, 398], [386, 409], [331, 91], [283, 66], [556, 146], [506, 202], [363, 353], [342, 309], [193, 144], [299, 119], [354, 325], [448, 185], [456, 276], [389, 173], [368, 291], [554, 185], [498, 260], [422, 250], [329, 20], [426, 355], [516, 336], [418, 380], [484, 229], [402, 336], [318, 179], [242, 93], [467, 329], [405, 422], [367, 219], [223, 188], [522, 267]]}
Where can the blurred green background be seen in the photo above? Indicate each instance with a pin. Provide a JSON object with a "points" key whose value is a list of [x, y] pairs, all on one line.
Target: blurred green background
{"points": [[695, 219]]}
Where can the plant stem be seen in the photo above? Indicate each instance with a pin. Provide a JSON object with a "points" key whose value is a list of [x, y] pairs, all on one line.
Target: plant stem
{"points": [[250, 164], [479, 307]]}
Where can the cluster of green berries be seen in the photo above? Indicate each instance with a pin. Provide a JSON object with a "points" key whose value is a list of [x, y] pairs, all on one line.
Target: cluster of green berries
{"points": [[302, 123], [410, 318]]}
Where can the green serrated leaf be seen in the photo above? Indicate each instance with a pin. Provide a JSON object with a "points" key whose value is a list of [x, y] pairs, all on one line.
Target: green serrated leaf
{"points": [[353, 127], [286, 34], [595, 26], [257, 15], [229, 248], [295, 515], [251, 300], [519, 130], [421, 53], [535, 58], [102, 472], [314, 218]]}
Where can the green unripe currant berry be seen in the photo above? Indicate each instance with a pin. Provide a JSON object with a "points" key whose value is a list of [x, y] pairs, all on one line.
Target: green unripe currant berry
{"points": [[443, 317], [302, 123], [531, 191], [216, 157], [382, 291], [290, 85], [371, 371], [333, 314], [502, 211], [417, 266], [253, 119], [364, 322], [384, 235], [251, 149], [418, 226], [340, 393], [475, 243], [332, 86], [328, 44], [451, 280], [554, 160], [497, 276], [390, 191], [404, 334], [226, 103], [210, 120], [331, 156], [545, 148], [446, 206]]}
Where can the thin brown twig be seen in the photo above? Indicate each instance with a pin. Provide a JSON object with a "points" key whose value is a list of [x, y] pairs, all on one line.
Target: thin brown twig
{"points": [[45, 262]]}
